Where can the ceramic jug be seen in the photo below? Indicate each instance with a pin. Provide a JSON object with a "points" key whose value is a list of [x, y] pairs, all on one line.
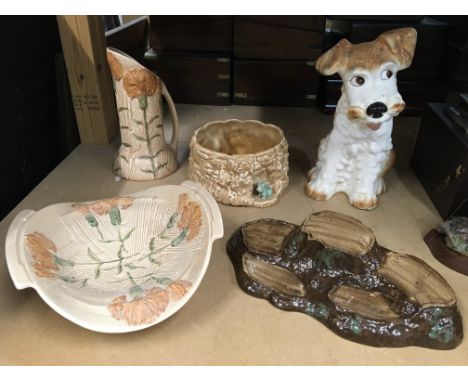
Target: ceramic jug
{"points": [[144, 153]]}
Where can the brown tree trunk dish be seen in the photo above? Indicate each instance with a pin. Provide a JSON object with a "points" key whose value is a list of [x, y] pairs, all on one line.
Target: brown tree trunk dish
{"points": [[331, 268]]}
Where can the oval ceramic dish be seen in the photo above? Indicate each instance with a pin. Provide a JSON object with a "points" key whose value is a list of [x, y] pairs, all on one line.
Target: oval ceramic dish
{"points": [[117, 265]]}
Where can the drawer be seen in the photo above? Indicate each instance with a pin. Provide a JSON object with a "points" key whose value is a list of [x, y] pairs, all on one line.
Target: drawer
{"points": [[191, 33], [278, 37], [276, 83], [193, 78]]}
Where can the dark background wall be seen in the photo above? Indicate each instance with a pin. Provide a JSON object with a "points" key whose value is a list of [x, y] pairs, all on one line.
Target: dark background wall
{"points": [[31, 142]]}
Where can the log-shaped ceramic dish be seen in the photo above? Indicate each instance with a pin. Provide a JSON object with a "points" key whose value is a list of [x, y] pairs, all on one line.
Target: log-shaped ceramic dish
{"points": [[120, 264], [332, 268], [242, 163]]}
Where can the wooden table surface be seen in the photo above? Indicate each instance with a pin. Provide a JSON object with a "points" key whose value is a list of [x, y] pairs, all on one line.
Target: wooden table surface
{"points": [[221, 324]]}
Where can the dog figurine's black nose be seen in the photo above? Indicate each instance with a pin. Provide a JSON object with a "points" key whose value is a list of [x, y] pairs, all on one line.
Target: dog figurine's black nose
{"points": [[376, 109]]}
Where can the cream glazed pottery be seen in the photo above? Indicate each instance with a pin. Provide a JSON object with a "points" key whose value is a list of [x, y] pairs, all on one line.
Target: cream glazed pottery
{"points": [[144, 153], [241, 163], [120, 264], [354, 157]]}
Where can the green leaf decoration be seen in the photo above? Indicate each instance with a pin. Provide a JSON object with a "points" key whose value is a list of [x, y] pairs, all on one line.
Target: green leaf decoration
{"points": [[108, 241], [93, 256], [140, 138], [125, 144], [119, 267], [115, 217], [145, 157], [128, 234], [143, 101], [137, 122], [164, 281], [122, 109], [91, 219], [172, 220], [119, 254], [97, 272], [153, 119], [154, 261], [151, 244], [136, 291], [67, 279], [130, 266], [179, 239], [63, 262]]}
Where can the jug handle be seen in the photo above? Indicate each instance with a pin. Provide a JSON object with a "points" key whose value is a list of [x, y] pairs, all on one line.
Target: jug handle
{"points": [[175, 121]]}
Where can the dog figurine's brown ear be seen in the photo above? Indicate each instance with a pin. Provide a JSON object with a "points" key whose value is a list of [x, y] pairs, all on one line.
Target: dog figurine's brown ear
{"points": [[332, 60], [401, 44]]}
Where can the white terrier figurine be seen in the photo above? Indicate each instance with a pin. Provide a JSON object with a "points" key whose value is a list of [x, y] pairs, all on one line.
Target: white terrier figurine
{"points": [[354, 157]]}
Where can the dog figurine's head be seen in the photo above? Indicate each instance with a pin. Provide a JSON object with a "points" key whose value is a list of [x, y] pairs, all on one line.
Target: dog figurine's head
{"points": [[368, 71]]}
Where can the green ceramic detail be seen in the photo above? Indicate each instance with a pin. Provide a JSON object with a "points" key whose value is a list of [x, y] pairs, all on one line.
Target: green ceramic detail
{"points": [[263, 190], [143, 101], [325, 258], [456, 231], [442, 327], [115, 217], [317, 310], [355, 325], [92, 221]]}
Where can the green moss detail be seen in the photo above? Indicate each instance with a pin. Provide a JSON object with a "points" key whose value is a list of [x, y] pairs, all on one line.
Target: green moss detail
{"points": [[263, 190]]}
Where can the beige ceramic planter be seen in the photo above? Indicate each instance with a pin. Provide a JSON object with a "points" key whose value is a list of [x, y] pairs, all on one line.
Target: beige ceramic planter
{"points": [[242, 163]]}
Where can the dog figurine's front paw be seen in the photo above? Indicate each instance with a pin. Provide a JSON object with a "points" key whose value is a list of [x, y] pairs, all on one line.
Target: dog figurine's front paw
{"points": [[317, 189], [363, 200], [311, 192], [366, 204]]}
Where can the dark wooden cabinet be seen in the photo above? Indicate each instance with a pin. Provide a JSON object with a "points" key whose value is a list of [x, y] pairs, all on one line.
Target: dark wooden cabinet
{"points": [[192, 55], [278, 37], [191, 33], [440, 161], [248, 60], [193, 78], [277, 83]]}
